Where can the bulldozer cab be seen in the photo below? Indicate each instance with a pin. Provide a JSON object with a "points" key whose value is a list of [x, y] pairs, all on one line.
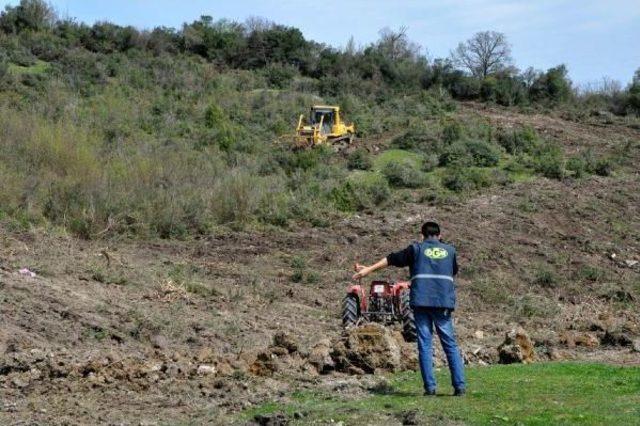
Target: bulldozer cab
{"points": [[324, 115]]}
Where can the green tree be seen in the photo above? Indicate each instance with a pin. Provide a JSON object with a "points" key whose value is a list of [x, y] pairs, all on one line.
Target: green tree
{"points": [[32, 15], [553, 85]]}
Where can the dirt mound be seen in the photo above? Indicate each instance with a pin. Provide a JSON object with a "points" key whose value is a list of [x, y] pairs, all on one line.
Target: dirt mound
{"points": [[517, 347], [282, 356], [370, 349]]}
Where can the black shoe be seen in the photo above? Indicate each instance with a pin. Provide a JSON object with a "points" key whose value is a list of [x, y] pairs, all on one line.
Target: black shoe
{"points": [[429, 393], [459, 392]]}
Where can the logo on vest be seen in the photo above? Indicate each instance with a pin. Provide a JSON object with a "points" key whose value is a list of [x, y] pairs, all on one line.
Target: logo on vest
{"points": [[436, 253]]}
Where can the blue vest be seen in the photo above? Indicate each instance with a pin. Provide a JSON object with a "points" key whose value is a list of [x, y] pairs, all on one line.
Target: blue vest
{"points": [[432, 283]]}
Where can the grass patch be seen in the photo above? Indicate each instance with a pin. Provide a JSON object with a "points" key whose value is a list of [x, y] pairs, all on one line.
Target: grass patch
{"points": [[40, 67], [381, 161], [539, 394]]}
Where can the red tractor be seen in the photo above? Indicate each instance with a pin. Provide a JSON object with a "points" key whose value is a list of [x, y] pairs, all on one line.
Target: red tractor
{"points": [[387, 302]]}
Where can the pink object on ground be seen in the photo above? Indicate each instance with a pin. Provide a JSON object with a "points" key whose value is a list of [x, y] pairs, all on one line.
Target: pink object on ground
{"points": [[27, 272]]}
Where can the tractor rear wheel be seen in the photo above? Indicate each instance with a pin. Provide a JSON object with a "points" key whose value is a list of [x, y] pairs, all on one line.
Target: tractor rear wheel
{"points": [[350, 310], [408, 321]]}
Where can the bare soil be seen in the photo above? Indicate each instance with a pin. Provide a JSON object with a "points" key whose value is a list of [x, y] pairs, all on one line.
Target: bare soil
{"points": [[161, 332]]}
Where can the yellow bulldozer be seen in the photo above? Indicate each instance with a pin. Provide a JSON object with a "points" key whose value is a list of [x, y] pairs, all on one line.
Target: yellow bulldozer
{"points": [[323, 126]]}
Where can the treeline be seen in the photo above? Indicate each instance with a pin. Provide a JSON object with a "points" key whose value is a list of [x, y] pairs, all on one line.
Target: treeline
{"points": [[32, 31]]}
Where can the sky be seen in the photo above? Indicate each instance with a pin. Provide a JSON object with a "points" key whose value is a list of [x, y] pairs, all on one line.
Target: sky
{"points": [[594, 38]]}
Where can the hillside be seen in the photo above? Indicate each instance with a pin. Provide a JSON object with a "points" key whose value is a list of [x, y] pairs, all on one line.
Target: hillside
{"points": [[149, 185]]}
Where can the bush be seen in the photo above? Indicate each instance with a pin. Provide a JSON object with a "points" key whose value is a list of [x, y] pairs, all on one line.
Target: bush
{"points": [[359, 160], [362, 190], [460, 179], [483, 153], [503, 90], [577, 166], [451, 132], [421, 138], [280, 76], [466, 88], [470, 153], [518, 141], [603, 167], [545, 278], [549, 161], [554, 85], [403, 174]]}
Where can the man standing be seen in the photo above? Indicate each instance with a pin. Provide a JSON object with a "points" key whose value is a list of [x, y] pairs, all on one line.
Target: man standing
{"points": [[432, 265]]}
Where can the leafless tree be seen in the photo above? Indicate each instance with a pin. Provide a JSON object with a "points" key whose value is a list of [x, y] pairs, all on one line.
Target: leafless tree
{"points": [[485, 53]]}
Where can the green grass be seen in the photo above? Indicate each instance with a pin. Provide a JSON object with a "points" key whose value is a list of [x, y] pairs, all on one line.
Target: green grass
{"points": [[40, 67], [538, 394], [385, 157]]}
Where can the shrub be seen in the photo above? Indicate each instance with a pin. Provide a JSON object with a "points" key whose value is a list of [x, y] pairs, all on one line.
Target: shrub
{"points": [[549, 161], [403, 174], [544, 277], [466, 88], [554, 85], [603, 167], [451, 132], [459, 179], [421, 138], [483, 153], [577, 166], [280, 76], [591, 273], [238, 197], [518, 141], [359, 160], [430, 162], [470, 153], [362, 190]]}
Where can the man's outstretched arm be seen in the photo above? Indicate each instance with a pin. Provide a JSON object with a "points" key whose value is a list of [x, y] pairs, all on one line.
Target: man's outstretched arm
{"points": [[362, 270], [400, 259]]}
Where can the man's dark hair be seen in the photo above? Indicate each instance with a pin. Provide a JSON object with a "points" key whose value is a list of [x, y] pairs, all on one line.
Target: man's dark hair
{"points": [[430, 229]]}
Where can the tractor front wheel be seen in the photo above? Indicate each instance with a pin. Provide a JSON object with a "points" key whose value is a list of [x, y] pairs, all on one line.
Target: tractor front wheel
{"points": [[408, 321], [350, 311]]}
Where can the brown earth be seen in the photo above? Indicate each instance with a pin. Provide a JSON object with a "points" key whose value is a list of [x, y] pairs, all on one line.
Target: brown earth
{"points": [[135, 332]]}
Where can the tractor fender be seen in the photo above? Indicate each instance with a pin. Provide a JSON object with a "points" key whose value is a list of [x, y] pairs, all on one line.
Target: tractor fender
{"points": [[401, 286], [358, 291]]}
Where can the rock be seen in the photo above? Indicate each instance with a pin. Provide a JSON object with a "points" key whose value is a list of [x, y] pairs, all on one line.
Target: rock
{"points": [[206, 370], [517, 347], [482, 355], [478, 334], [19, 382], [630, 263], [635, 345], [284, 340]]}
